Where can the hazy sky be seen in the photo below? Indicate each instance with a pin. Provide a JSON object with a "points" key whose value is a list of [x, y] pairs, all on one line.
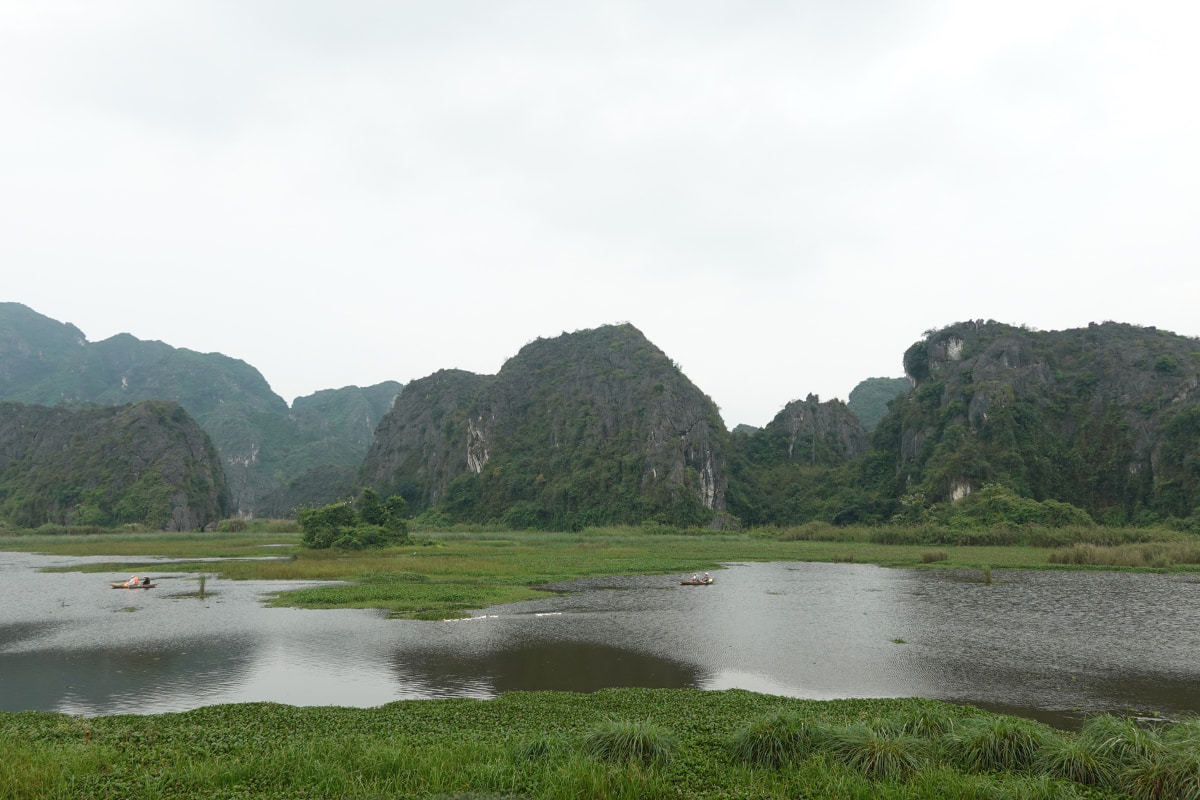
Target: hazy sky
{"points": [[781, 195]]}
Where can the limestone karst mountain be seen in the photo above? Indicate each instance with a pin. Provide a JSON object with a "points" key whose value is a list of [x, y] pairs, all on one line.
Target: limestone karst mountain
{"points": [[587, 428], [147, 463]]}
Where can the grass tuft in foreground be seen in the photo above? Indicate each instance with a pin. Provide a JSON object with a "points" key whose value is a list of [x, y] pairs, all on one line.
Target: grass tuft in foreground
{"points": [[879, 755], [619, 742], [778, 739]]}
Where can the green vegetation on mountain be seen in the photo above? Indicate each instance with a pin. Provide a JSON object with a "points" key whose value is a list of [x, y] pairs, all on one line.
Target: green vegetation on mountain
{"points": [[1103, 418], [870, 398], [148, 464], [589, 428], [791, 470], [264, 445]]}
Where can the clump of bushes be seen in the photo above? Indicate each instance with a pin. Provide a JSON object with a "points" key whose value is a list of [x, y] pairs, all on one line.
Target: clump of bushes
{"points": [[368, 522]]}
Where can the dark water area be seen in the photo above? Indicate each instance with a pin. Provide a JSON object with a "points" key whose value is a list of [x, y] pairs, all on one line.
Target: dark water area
{"points": [[1055, 646]]}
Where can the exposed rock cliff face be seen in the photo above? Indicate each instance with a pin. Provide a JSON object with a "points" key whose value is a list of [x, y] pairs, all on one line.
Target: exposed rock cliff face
{"points": [[421, 444], [586, 428], [148, 463], [1105, 417], [811, 432]]}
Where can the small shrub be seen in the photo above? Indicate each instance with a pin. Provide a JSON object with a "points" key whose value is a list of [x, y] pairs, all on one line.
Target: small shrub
{"points": [[879, 755], [776, 740], [620, 742], [932, 556], [232, 525]]}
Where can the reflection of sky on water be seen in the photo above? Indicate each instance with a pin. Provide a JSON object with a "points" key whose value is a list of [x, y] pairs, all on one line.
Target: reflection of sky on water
{"points": [[1034, 642]]}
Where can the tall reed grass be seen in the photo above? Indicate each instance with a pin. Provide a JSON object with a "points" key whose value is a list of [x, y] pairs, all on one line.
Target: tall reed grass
{"points": [[1152, 555]]}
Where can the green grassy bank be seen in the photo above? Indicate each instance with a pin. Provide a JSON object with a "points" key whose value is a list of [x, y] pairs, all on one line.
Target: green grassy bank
{"points": [[446, 573], [627, 743]]}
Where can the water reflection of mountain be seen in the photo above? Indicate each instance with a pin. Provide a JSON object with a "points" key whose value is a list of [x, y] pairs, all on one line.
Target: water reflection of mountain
{"points": [[117, 680], [538, 666]]}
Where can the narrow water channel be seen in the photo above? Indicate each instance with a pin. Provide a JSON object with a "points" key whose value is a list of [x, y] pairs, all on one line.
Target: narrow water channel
{"points": [[1051, 645]]}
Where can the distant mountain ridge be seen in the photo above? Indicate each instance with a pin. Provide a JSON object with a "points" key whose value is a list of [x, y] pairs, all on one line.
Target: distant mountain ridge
{"points": [[263, 444]]}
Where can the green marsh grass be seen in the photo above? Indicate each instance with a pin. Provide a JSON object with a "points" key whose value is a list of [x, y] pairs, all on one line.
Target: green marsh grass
{"points": [[534, 745], [1147, 555]]}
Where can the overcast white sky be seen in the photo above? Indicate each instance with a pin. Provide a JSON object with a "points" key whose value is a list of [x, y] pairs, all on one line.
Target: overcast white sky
{"points": [[781, 195]]}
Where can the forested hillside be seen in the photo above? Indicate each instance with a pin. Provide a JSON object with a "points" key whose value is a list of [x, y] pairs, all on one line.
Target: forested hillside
{"points": [[587, 428], [1106, 418], [264, 445], [148, 463]]}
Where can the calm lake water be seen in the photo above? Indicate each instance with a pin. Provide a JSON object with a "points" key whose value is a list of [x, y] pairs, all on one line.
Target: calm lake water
{"points": [[1051, 645]]}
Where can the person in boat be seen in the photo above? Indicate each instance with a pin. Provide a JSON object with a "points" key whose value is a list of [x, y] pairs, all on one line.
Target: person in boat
{"points": [[133, 581], [146, 580], [707, 579], [695, 577]]}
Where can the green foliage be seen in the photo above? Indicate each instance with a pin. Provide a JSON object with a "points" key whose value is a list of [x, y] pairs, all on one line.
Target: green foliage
{"points": [[341, 526], [994, 504]]}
